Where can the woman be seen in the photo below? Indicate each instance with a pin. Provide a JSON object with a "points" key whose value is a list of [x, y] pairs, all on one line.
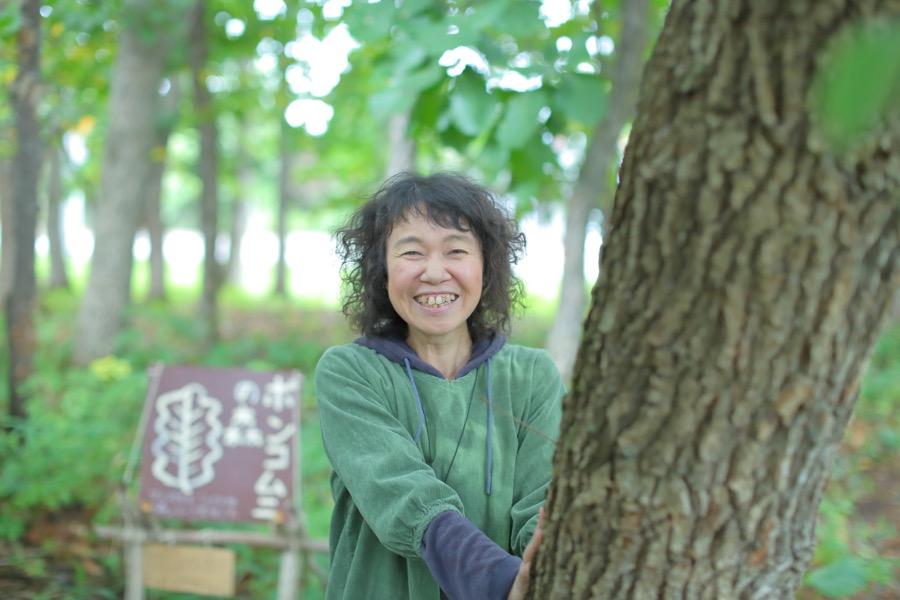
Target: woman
{"points": [[440, 433]]}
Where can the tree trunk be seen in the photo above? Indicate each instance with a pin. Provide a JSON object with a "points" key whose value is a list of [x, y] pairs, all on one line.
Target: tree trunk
{"points": [[747, 274], [593, 182], [133, 101], [284, 174], [20, 303], [7, 197], [401, 147], [239, 212], [59, 278], [239, 215], [209, 158], [155, 226]]}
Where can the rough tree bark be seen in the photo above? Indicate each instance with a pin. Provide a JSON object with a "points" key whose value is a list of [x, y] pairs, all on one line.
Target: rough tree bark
{"points": [[209, 160], [155, 226], [747, 274], [20, 303], [59, 277], [133, 100], [593, 182]]}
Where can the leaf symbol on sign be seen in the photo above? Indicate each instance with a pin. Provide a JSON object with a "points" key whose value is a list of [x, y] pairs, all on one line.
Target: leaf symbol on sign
{"points": [[187, 438]]}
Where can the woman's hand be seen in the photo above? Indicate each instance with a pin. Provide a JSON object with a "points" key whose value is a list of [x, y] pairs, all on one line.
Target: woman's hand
{"points": [[523, 577]]}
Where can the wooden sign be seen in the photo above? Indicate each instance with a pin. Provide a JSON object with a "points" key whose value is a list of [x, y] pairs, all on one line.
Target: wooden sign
{"points": [[191, 569], [220, 444]]}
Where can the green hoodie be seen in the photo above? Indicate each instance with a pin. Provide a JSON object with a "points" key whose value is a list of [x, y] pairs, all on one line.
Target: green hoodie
{"points": [[387, 487]]}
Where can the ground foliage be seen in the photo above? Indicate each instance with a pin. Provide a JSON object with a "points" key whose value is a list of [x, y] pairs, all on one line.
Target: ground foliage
{"points": [[61, 467]]}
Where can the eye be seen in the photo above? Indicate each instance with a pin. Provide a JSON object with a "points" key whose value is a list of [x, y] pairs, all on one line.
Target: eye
{"points": [[411, 253], [458, 251]]}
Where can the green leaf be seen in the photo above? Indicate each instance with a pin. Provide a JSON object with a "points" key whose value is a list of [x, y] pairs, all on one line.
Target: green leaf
{"points": [[370, 22], [482, 16], [578, 53], [493, 159], [472, 108], [405, 56], [454, 138], [522, 18], [411, 8], [581, 97], [521, 119], [844, 577], [526, 168], [492, 50], [432, 35], [859, 82], [402, 95], [428, 108], [10, 19]]}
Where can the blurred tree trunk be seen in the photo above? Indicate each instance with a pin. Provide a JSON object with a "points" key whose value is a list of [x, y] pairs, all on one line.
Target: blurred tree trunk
{"points": [[6, 221], [209, 160], [239, 206], [401, 147], [59, 278], [155, 227], [284, 175], [747, 275], [133, 101], [20, 303], [593, 182], [895, 312]]}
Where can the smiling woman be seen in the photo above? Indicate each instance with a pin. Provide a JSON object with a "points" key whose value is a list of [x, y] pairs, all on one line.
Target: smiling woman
{"points": [[434, 284], [440, 433]]}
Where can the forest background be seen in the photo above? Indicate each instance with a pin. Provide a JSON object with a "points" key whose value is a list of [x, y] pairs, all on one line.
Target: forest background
{"points": [[253, 129]]}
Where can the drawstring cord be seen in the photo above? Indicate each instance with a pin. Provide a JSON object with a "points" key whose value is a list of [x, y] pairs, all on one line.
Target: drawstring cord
{"points": [[489, 438], [412, 382]]}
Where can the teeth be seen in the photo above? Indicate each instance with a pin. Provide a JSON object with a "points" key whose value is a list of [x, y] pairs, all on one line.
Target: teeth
{"points": [[436, 300]]}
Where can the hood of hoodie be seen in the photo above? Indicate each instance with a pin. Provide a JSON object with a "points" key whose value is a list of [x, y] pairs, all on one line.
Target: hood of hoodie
{"points": [[398, 351]]}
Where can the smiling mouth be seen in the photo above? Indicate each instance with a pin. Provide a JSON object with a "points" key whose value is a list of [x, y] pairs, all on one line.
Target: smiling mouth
{"points": [[436, 299]]}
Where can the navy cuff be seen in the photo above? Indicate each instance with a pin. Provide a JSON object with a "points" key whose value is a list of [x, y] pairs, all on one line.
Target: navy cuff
{"points": [[465, 562]]}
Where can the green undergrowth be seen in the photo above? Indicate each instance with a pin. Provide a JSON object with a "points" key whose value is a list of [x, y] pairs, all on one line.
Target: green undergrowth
{"points": [[62, 466], [857, 554]]}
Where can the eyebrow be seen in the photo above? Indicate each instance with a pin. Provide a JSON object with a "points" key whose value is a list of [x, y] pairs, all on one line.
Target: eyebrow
{"points": [[453, 237]]}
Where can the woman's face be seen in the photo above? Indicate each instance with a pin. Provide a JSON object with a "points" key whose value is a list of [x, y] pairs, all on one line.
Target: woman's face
{"points": [[434, 277]]}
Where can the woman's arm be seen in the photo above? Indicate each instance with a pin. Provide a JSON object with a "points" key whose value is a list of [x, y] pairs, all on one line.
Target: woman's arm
{"points": [[395, 490], [523, 576], [465, 562], [538, 432]]}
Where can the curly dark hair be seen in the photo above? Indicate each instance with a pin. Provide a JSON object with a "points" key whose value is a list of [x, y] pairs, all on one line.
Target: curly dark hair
{"points": [[448, 200]]}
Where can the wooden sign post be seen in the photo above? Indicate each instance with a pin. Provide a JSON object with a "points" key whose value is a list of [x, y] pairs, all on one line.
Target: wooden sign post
{"points": [[215, 445]]}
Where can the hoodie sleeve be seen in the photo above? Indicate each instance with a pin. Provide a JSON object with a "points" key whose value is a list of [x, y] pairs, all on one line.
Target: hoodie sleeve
{"points": [[465, 562], [537, 440], [396, 491]]}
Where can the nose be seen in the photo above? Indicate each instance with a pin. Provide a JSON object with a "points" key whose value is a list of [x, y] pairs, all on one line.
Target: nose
{"points": [[435, 271]]}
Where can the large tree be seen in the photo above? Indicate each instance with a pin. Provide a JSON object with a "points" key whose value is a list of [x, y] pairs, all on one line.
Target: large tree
{"points": [[127, 165], [208, 163], [153, 218], [748, 270], [19, 309]]}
